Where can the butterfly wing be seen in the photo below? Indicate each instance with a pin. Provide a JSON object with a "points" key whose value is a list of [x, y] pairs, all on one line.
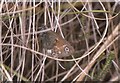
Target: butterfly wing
{"points": [[55, 45]]}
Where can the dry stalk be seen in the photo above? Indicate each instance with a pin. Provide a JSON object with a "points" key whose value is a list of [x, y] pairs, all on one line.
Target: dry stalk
{"points": [[100, 51]]}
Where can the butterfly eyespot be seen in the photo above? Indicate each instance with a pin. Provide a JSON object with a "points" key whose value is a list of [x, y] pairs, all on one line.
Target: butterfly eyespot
{"points": [[66, 49]]}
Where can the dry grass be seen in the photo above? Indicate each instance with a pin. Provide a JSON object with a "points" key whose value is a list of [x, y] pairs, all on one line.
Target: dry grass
{"points": [[91, 28]]}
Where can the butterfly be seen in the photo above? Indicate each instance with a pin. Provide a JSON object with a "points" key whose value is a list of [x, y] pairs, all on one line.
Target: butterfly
{"points": [[55, 45]]}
